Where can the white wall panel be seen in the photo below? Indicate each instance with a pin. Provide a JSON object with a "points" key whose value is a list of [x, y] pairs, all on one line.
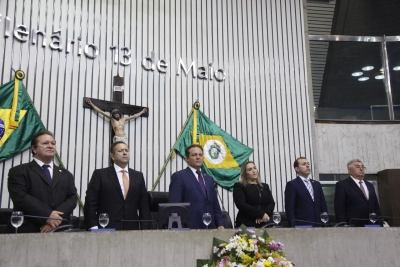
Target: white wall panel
{"points": [[263, 101], [377, 145]]}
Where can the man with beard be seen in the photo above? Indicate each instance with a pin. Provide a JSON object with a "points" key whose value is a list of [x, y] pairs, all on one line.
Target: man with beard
{"points": [[117, 121]]}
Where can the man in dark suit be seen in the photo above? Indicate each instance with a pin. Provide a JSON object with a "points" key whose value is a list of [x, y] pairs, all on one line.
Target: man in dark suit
{"points": [[119, 191], [196, 187], [304, 198], [355, 198], [40, 188]]}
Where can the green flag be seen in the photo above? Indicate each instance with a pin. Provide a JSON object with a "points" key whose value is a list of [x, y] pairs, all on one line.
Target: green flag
{"points": [[19, 120], [223, 154]]}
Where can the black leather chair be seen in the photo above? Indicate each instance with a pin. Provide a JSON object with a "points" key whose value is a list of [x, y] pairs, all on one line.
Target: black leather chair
{"points": [[227, 220], [78, 222], [156, 198], [5, 215]]}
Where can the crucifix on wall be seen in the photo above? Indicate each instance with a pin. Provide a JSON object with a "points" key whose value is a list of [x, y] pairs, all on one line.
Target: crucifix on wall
{"points": [[116, 109]]}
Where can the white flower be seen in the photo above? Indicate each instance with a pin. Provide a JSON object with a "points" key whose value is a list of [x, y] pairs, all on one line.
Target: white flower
{"points": [[205, 265], [215, 249]]}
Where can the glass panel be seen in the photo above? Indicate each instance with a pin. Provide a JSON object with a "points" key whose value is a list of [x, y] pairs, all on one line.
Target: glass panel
{"points": [[329, 193], [344, 83], [393, 49]]}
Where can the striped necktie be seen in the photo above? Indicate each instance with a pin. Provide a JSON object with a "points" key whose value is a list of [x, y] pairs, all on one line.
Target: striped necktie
{"points": [[309, 187], [363, 190]]}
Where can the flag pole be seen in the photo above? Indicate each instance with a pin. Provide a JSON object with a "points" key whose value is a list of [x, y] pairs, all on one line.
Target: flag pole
{"points": [[61, 165], [171, 152]]}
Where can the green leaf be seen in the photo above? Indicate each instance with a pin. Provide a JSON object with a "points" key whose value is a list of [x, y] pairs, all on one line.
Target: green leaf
{"points": [[265, 235], [200, 263]]}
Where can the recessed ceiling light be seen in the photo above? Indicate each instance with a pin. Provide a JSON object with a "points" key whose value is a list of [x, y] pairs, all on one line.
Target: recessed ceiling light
{"points": [[380, 77], [367, 68], [363, 79], [397, 68], [382, 70], [358, 73]]}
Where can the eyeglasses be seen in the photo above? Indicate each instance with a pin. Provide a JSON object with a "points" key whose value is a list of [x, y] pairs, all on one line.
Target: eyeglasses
{"points": [[360, 167]]}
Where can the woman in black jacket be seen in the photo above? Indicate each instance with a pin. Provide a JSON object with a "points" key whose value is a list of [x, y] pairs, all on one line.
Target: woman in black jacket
{"points": [[253, 198]]}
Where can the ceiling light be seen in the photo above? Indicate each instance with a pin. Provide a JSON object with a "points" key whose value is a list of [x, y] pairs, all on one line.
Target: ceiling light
{"points": [[397, 68], [380, 77], [358, 73], [381, 70], [363, 79], [367, 68]]}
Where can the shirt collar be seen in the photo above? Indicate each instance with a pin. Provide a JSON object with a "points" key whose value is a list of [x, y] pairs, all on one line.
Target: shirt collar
{"points": [[356, 180], [41, 163], [193, 170], [118, 169], [303, 178]]}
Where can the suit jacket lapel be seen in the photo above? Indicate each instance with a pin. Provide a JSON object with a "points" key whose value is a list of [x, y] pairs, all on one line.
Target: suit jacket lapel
{"points": [[57, 173], [356, 187], [303, 187], [132, 181], [314, 186], [36, 168], [112, 174]]}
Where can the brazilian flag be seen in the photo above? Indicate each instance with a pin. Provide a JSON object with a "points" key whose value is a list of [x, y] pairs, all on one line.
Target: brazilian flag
{"points": [[223, 154], [19, 120]]}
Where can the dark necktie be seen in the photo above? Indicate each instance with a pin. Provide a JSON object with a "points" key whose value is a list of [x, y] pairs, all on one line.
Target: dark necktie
{"points": [[47, 172], [202, 184]]}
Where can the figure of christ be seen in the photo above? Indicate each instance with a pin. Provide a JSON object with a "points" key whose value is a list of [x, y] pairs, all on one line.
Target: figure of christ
{"points": [[117, 121]]}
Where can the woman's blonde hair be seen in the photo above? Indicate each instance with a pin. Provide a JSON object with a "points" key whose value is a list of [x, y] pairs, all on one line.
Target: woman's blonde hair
{"points": [[243, 178]]}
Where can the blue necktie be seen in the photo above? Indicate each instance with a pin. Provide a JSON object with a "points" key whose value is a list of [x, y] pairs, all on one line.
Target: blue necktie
{"points": [[202, 184], [47, 172]]}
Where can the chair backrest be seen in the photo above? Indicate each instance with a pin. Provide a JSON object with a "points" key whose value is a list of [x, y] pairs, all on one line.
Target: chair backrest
{"points": [[5, 215], [156, 198], [227, 220], [284, 221], [332, 219]]}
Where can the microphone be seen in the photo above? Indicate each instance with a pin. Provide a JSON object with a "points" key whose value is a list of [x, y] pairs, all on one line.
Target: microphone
{"points": [[69, 225], [312, 223]]}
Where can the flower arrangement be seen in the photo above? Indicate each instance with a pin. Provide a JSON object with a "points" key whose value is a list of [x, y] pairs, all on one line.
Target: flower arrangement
{"points": [[247, 249]]}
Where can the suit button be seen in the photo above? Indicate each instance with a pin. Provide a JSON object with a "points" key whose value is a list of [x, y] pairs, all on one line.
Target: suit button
{"points": [[52, 204]]}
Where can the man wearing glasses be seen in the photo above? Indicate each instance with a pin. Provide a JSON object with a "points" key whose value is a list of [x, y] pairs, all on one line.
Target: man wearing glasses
{"points": [[355, 197]]}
